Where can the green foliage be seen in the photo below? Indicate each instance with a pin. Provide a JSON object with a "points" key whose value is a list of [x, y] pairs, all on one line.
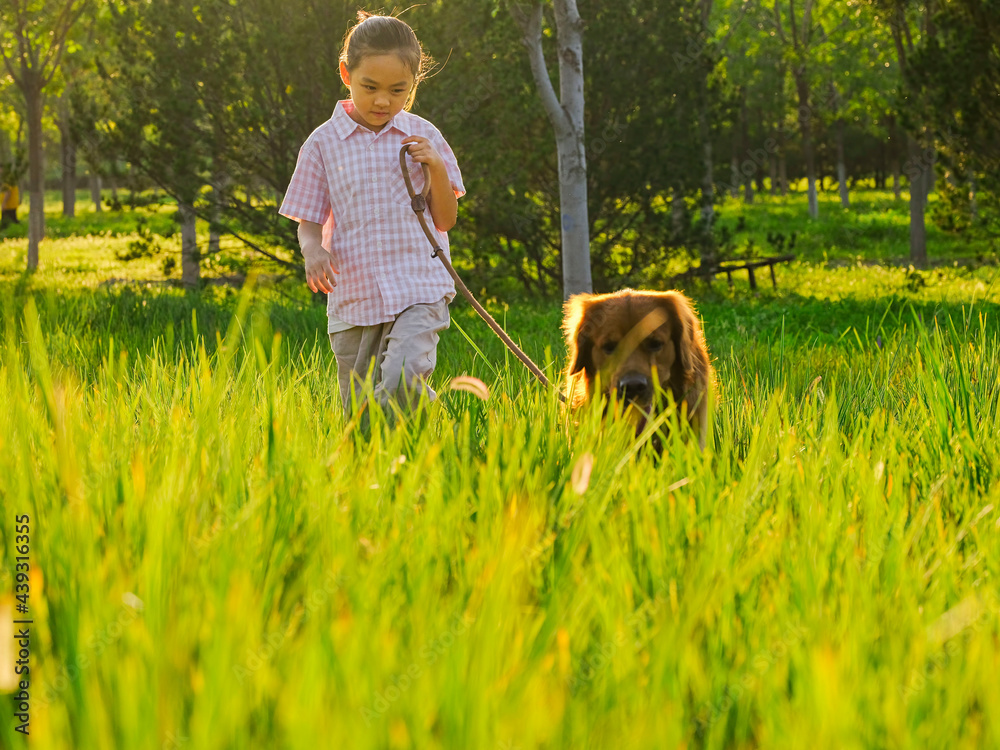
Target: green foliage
{"points": [[167, 71], [143, 246], [640, 139], [955, 76], [954, 79]]}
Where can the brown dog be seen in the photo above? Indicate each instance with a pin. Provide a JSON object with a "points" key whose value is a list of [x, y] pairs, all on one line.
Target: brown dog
{"points": [[629, 344]]}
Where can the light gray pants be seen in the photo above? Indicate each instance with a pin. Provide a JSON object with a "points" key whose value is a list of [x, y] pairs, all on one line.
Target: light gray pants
{"points": [[400, 354]]}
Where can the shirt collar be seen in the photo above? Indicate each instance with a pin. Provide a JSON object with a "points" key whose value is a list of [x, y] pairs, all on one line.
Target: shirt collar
{"points": [[344, 125]]}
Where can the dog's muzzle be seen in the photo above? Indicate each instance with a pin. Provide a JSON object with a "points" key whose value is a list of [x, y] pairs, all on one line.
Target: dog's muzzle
{"points": [[635, 387]]}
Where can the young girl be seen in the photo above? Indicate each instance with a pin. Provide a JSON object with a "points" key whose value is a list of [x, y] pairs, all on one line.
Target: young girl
{"points": [[387, 297]]}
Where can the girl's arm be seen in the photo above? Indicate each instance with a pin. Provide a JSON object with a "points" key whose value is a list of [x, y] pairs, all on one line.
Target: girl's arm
{"points": [[319, 263], [441, 199]]}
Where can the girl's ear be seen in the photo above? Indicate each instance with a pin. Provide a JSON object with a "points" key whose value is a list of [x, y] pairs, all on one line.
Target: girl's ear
{"points": [[344, 75]]}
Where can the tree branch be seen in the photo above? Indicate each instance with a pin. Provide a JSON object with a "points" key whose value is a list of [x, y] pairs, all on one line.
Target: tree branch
{"points": [[807, 23], [777, 22], [68, 17], [739, 19], [899, 20], [531, 37], [795, 27], [18, 81]]}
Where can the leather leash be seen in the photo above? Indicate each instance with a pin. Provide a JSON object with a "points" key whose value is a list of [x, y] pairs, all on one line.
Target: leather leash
{"points": [[418, 202]]}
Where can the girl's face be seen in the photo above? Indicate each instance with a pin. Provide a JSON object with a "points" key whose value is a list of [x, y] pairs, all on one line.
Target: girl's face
{"points": [[380, 85]]}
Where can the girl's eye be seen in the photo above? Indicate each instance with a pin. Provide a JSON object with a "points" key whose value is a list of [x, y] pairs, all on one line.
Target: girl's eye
{"points": [[653, 345], [608, 347], [397, 92]]}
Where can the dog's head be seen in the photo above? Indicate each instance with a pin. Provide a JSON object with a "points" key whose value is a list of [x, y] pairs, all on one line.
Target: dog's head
{"points": [[629, 344]]}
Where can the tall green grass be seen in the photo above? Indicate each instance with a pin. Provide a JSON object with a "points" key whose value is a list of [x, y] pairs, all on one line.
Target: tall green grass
{"points": [[227, 562]]}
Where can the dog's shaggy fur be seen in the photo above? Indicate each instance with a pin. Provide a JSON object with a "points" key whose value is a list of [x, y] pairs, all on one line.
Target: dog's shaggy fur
{"points": [[630, 344]]}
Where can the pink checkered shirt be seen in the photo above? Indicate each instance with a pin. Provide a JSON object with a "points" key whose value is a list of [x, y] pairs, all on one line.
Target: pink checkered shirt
{"points": [[347, 178]]}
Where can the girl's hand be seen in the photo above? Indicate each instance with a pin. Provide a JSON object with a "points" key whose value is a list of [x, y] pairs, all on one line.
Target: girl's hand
{"points": [[319, 263], [319, 269], [423, 152], [441, 200]]}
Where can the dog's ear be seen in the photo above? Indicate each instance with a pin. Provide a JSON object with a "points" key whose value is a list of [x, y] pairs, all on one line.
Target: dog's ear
{"points": [[579, 343], [685, 331]]}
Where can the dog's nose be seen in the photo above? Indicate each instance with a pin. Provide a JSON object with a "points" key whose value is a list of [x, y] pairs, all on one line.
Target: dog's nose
{"points": [[634, 386]]}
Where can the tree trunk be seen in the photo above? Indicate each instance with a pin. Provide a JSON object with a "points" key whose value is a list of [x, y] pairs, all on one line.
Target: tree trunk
{"points": [[782, 163], [36, 171], [708, 168], [190, 262], [973, 206], [708, 245], [734, 164], [772, 166], [707, 185], [213, 229], [745, 148], [918, 202], [574, 220], [566, 115], [845, 198], [805, 126], [220, 181], [95, 191], [68, 147], [677, 211], [932, 172], [895, 158]]}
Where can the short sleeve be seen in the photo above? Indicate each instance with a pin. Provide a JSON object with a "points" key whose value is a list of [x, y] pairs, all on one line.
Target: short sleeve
{"points": [[450, 163], [308, 195]]}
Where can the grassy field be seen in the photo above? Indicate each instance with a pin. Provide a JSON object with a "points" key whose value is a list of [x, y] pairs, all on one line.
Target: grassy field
{"points": [[219, 560]]}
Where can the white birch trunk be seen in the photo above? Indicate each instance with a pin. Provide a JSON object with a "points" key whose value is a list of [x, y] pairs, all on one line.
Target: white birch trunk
{"points": [[95, 191], [219, 181], [919, 182], [845, 196], [805, 127], [190, 264], [565, 112], [68, 149], [36, 168]]}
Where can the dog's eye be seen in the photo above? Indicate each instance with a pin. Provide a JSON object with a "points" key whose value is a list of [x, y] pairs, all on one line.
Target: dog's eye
{"points": [[653, 345], [608, 347]]}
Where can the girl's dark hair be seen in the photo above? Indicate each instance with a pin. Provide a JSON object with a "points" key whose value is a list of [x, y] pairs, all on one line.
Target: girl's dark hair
{"points": [[383, 35]]}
